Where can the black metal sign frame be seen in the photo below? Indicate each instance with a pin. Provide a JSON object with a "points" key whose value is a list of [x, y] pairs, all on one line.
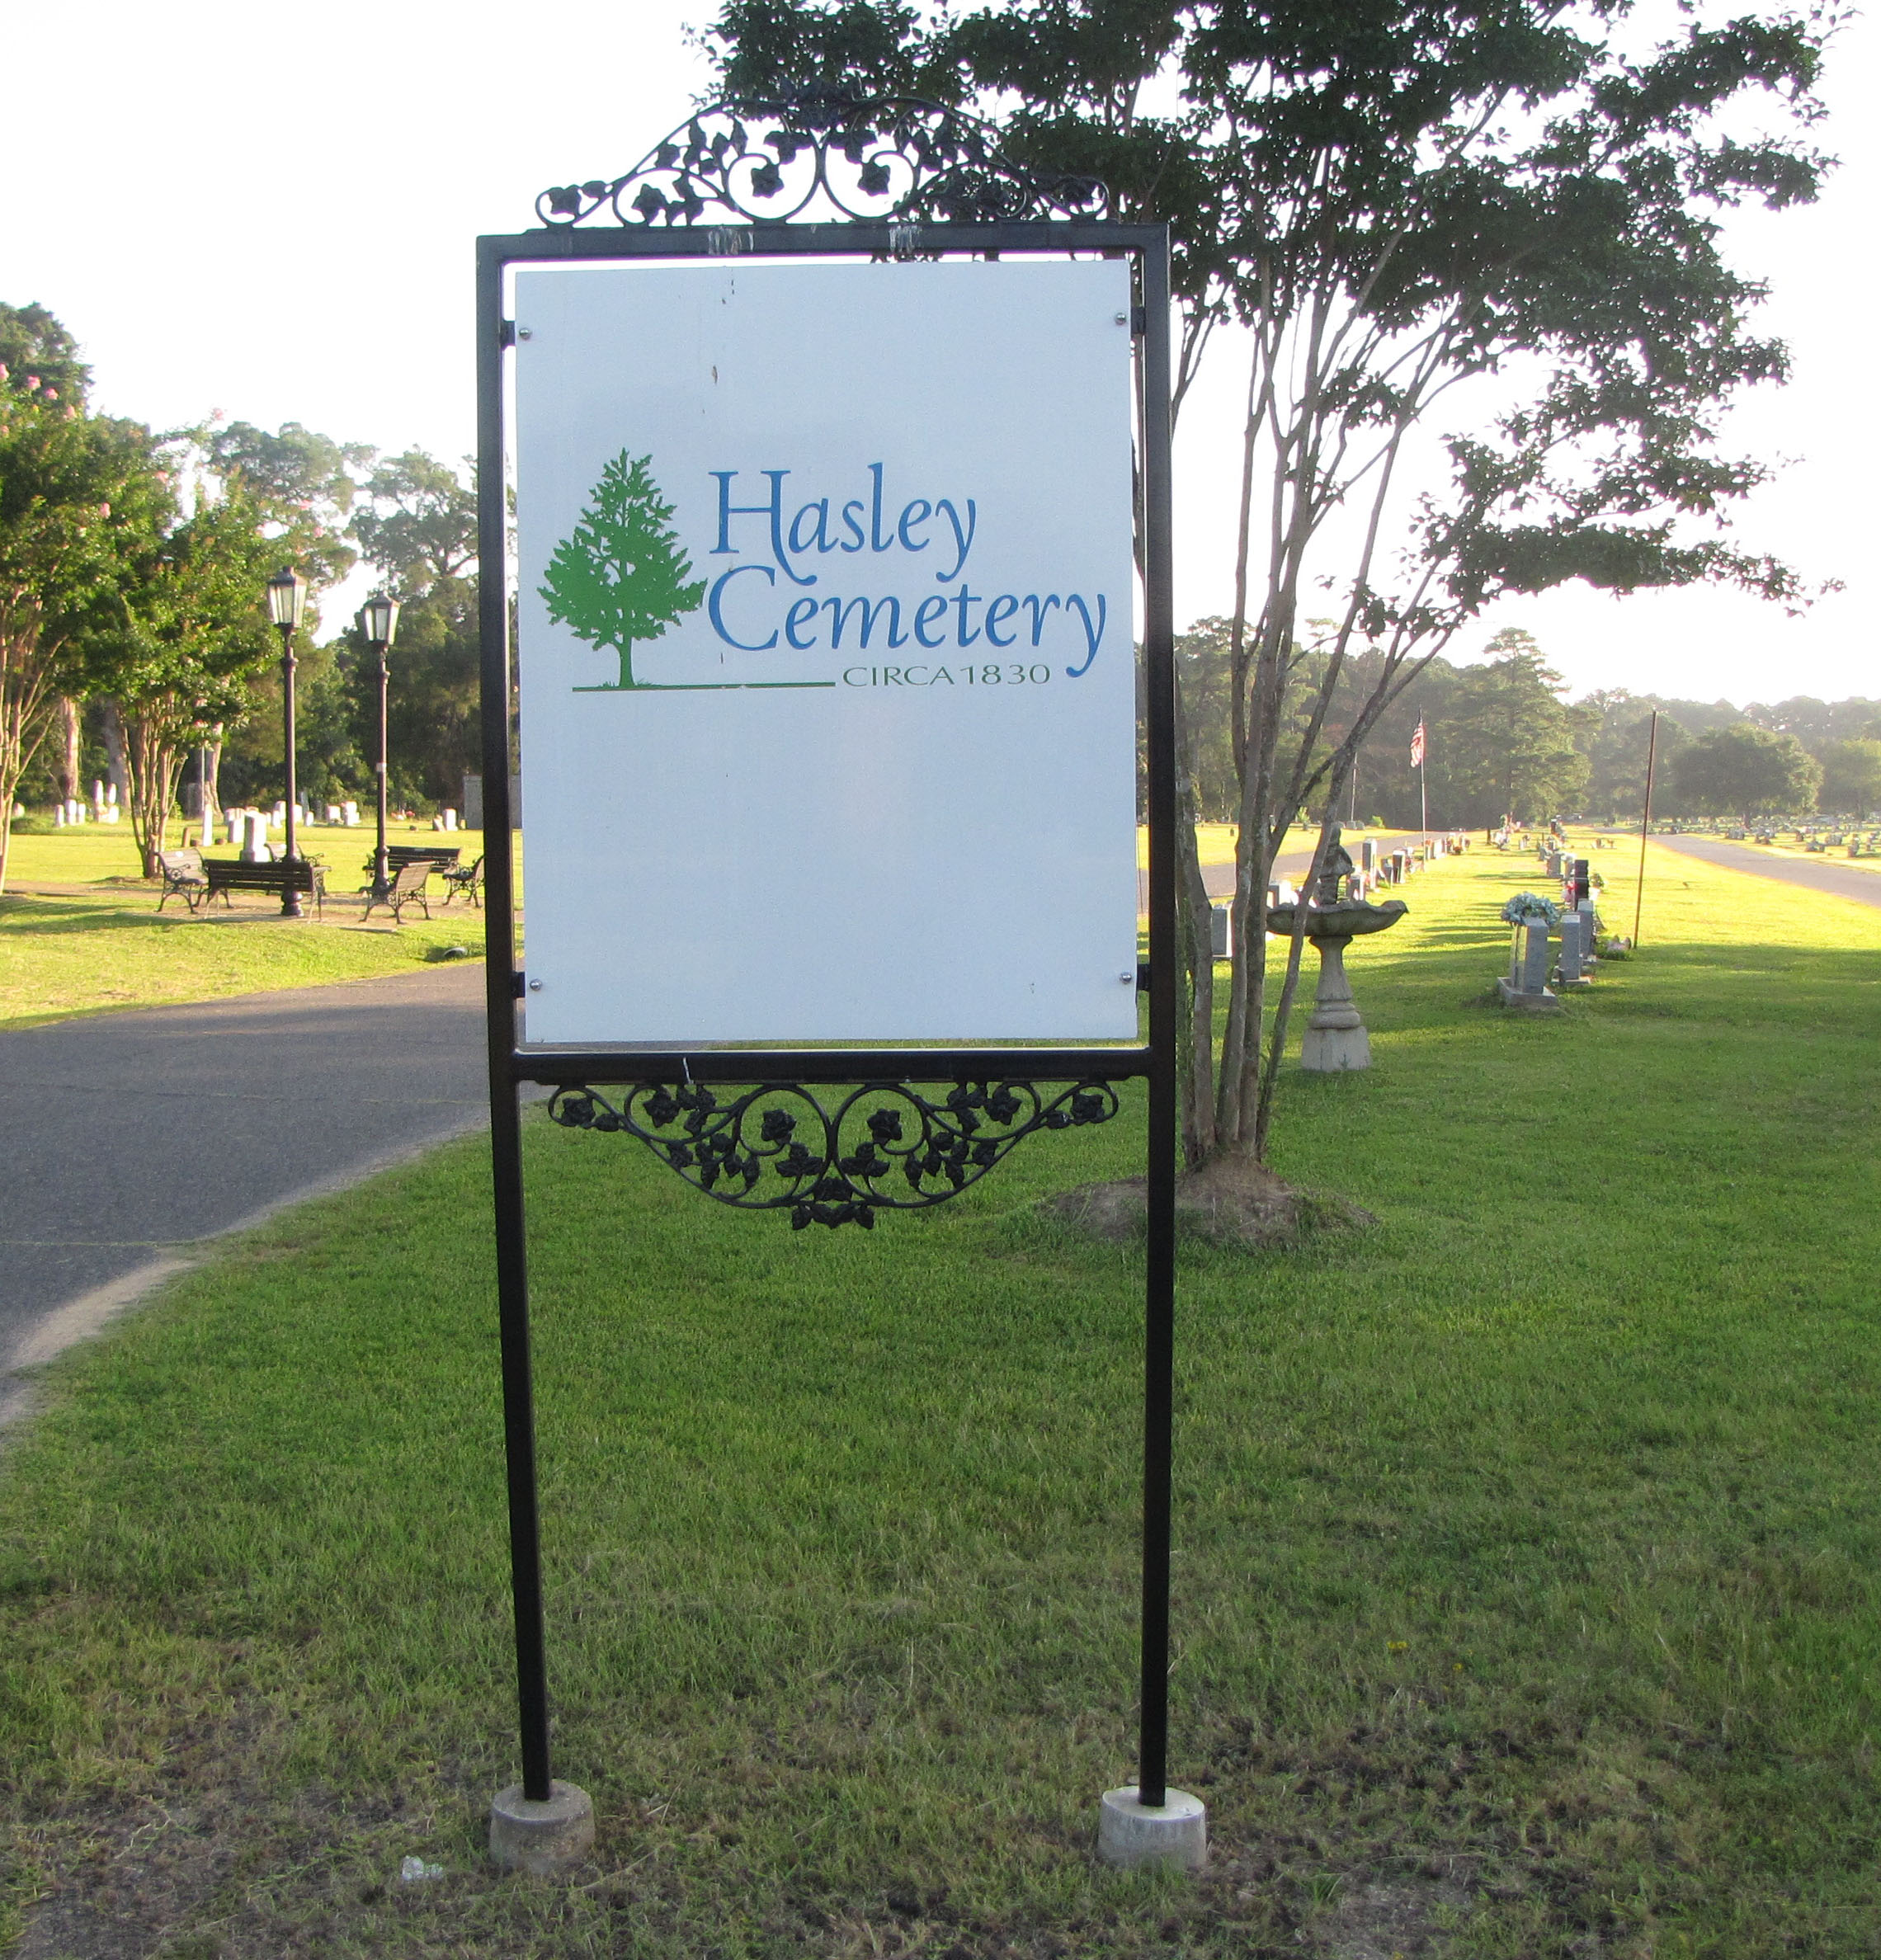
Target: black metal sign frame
{"points": [[574, 1074]]}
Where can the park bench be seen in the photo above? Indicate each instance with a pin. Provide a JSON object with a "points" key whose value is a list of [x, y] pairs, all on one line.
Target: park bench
{"points": [[183, 878], [465, 881], [284, 875], [441, 857], [408, 887]]}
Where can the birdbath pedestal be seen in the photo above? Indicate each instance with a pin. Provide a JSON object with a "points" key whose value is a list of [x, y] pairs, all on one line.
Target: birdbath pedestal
{"points": [[1336, 1038]]}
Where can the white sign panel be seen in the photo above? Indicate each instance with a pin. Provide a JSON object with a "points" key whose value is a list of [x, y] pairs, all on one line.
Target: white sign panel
{"points": [[825, 653]]}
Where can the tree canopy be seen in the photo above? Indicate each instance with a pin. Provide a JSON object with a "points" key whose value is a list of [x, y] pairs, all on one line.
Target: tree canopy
{"points": [[1747, 771]]}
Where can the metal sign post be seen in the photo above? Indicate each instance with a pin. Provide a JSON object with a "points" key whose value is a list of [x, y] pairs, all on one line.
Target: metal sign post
{"points": [[827, 1135]]}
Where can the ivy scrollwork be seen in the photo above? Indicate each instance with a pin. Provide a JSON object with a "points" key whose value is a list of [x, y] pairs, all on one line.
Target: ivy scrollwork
{"points": [[825, 154], [880, 1146]]}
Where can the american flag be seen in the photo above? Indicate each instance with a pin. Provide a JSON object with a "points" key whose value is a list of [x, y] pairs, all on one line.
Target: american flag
{"points": [[1417, 748]]}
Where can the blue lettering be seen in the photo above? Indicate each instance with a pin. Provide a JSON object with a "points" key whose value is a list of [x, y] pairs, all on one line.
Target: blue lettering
{"points": [[774, 510], [801, 613], [840, 609], [963, 598], [929, 610], [997, 615], [963, 539], [714, 603], [854, 529], [820, 538], [1040, 607], [918, 512], [1091, 639], [878, 542]]}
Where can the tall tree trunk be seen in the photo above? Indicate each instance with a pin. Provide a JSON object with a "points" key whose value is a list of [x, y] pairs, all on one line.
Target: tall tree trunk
{"points": [[117, 769], [71, 750], [155, 762]]}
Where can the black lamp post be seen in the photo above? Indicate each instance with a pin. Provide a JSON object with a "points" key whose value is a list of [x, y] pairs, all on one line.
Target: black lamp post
{"points": [[287, 601], [378, 621]]}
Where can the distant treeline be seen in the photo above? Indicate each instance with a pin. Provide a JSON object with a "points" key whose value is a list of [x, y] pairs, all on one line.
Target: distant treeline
{"points": [[1502, 739]]}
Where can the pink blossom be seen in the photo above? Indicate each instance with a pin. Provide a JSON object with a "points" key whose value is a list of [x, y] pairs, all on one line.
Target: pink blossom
{"points": [[103, 510], [32, 381], [52, 394]]}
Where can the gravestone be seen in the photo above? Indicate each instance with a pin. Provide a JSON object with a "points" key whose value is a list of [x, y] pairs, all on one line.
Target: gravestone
{"points": [[255, 839], [1575, 948], [349, 815], [1220, 926], [1525, 986], [1368, 855]]}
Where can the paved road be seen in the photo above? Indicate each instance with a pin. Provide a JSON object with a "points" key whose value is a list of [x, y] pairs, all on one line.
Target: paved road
{"points": [[124, 1134], [1821, 874]]}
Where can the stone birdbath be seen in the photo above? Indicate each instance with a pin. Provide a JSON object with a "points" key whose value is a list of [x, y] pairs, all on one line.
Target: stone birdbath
{"points": [[1336, 1038]]}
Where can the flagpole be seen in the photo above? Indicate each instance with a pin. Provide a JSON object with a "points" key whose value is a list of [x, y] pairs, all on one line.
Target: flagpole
{"points": [[1645, 819], [1423, 786]]}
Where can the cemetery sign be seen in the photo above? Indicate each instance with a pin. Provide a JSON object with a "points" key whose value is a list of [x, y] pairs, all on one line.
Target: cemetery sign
{"points": [[840, 466]]}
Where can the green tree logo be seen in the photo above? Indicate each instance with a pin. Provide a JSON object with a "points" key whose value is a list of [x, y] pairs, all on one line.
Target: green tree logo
{"points": [[623, 576]]}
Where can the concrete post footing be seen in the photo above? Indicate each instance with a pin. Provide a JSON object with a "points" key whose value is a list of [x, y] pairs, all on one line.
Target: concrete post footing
{"points": [[1131, 1834], [541, 1839]]}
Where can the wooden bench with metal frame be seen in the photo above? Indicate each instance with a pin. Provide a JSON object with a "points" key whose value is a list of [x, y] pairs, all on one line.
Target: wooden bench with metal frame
{"points": [[465, 881], [408, 887], [183, 878], [284, 875]]}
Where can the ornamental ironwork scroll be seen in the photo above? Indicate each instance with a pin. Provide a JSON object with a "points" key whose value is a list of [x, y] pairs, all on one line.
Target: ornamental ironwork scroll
{"points": [[883, 1147], [885, 160]]}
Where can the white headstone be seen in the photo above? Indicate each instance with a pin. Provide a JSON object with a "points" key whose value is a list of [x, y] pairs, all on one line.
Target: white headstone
{"points": [[58, 815], [255, 839], [349, 814], [450, 820]]}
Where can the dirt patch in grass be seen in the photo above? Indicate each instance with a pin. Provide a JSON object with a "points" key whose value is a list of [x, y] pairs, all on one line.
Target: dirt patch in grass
{"points": [[1232, 1201]]}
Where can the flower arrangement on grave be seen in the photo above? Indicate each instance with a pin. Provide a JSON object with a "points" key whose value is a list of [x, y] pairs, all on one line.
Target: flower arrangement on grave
{"points": [[1530, 909]]}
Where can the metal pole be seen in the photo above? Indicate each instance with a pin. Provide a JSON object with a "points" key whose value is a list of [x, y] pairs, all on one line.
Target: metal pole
{"points": [[502, 981], [1159, 1342], [1645, 819], [289, 897], [1424, 786], [380, 884]]}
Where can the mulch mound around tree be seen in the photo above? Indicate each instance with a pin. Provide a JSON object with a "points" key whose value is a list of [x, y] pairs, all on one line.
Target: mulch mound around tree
{"points": [[1231, 1200]]}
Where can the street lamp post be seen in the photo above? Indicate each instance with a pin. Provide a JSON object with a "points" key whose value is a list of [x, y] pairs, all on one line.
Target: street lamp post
{"points": [[378, 620], [287, 601]]}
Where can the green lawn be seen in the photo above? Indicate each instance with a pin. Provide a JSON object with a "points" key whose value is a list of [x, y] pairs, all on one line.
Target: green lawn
{"points": [[1526, 1574], [110, 948]]}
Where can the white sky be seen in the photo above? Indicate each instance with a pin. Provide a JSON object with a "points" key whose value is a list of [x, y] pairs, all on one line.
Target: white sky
{"points": [[269, 211]]}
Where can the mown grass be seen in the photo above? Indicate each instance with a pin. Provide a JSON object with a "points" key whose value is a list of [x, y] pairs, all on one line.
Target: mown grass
{"points": [[1526, 1588], [110, 948]]}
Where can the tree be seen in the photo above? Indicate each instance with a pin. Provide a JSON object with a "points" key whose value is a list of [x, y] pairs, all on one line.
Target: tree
{"points": [[418, 528], [1393, 201], [1851, 778], [1619, 750], [1509, 739], [418, 522], [622, 577], [79, 497], [188, 631], [39, 357], [1746, 771]]}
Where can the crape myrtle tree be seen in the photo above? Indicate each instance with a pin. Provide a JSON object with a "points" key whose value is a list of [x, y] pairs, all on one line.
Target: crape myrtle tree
{"points": [[1392, 199], [184, 636], [80, 496], [1747, 771]]}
